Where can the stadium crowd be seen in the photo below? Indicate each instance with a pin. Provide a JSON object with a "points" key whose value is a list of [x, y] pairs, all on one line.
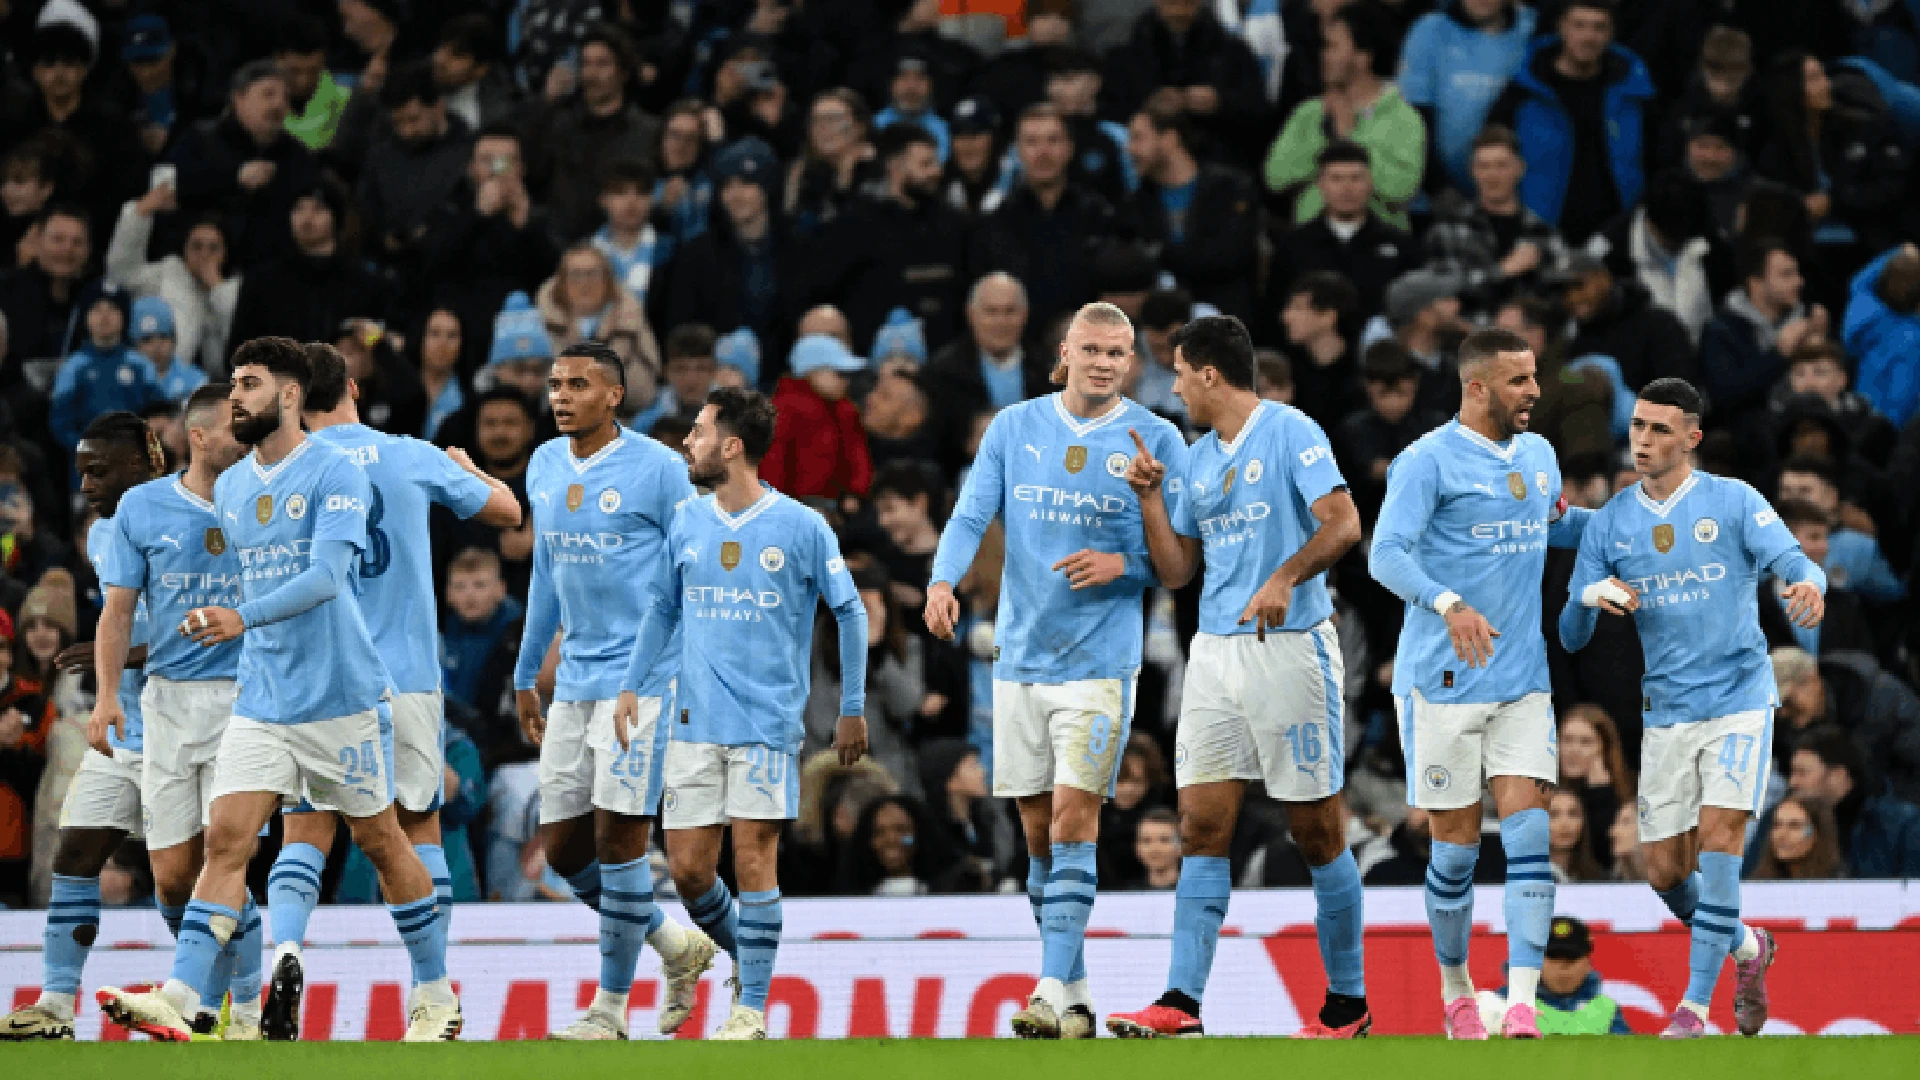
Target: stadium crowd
{"points": [[882, 212]]}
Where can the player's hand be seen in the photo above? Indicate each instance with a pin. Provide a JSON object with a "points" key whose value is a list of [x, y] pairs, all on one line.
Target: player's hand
{"points": [[626, 712], [1268, 608], [107, 715], [1805, 606], [1628, 607], [75, 658], [1144, 472], [212, 625], [533, 724], [1090, 569], [942, 611], [1472, 636], [850, 739]]}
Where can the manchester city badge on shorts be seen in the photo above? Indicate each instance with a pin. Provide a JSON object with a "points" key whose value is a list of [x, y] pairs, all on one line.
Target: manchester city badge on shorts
{"points": [[1076, 458], [1663, 538], [216, 542], [670, 800], [576, 495], [1706, 530], [729, 555], [772, 559], [1437, 778], [1117, 463], [1517, 484], [263, 509], [609, 501]]}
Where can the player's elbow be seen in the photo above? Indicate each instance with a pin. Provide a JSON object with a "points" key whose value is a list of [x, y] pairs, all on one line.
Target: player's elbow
{"points": [[1344, 524], [502, 511]]}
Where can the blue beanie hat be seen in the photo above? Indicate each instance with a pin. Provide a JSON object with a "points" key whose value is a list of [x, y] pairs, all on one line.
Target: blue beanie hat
{"points": [[152, 317], [902, 335], [749, 159], [740, 350], [519, 333]]}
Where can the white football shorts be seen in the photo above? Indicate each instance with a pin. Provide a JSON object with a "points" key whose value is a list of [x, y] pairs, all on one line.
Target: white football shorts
{"points": [[710, 784], [582, 766], [1264, 710], [343, 764], [1048, 735], [104, 794], [1720, 762], [419, 751], [1453, 750], [184, 724]]}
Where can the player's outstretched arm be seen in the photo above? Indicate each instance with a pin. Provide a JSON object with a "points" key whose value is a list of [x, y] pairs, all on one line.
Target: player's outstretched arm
{"points": [[1175, 557]]}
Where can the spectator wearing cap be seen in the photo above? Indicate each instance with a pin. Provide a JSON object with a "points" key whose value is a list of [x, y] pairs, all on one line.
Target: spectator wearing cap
{"points": [[1180, 43], [171, 92], [902, 339], [470, 70], [1712, 157], [991, 366], [736, 273], [1745, 348], [1879, 833], [1456, 61], [522, 352], [1664, 244], [1047, 231], [1497, 245], [972, 180], [1346, 237], [153, 335], [1619, 320], [1203, 220], [98, 156], [1881, 330], [1569, 999], [1578, 105], [1424, 315], [308, 293], [1361, 105], [246, 168], [904, 248], [570, 139], [910, 101], [416, 160], [104, 373], [819, 447], [738, 357]]}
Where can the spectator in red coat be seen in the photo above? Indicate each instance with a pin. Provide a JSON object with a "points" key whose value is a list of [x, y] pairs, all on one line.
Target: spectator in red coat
{"points": [[819, 449]]}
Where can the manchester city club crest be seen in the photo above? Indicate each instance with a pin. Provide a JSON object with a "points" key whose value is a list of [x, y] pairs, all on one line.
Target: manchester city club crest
{"points": [[576, 494], [1117, 463], [772, 559], [1517, 484], [1437, 778], [1540, 481], [729, 555], [1706, 530], [296, 506], [609, 501], [216, 542], [1226, 486], [1254, 469], [1076, 458], [1663, 538], [263, 509]]}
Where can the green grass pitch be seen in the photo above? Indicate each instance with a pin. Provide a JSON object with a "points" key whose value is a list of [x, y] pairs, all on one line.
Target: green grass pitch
{"points": [[1213, 1059]]}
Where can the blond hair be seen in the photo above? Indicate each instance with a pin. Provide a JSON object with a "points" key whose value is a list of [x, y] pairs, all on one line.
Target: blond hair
{"points": [[1100, 314]]}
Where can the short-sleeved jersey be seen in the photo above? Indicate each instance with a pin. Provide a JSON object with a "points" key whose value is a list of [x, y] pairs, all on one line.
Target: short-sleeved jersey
{"points": [[600, 554], [321, 663], [1250, 503], [748, 585], [167, 544], [103, 554], [396, 568], [1474, 514], [1695, 560], [1059, 484]]}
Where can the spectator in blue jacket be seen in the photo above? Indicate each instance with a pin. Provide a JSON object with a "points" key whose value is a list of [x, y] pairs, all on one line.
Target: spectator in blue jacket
{"points": [[478, 615], [1882, 332], [104, 373], [153, 335], [1579, 106], [1454, 66]]}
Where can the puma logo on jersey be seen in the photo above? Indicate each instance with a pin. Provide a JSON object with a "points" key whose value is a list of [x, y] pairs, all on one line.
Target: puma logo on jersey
{"points": [[1486, 488], [171, 540], [1035, 451]]}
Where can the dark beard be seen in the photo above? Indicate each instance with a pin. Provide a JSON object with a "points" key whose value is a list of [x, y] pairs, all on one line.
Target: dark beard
{"points": [[256, 427], [701, 476]]}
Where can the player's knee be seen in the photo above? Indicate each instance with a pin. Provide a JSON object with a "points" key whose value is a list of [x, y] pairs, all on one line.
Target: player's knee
{"points": [[1204, 835], [82, 853], [380, 837], [229, 848], [1320, 842]]}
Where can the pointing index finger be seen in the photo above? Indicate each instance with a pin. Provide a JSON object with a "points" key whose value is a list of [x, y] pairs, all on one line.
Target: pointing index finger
{"points": [[1141, 443]]}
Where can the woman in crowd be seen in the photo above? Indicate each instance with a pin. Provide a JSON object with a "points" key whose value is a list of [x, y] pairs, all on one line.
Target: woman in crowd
{"points": [[1802, 842], [1569, 848], [1623, 839], [839, 157], [1594, 769], [439, 343], [583, 301], [893, 853]]}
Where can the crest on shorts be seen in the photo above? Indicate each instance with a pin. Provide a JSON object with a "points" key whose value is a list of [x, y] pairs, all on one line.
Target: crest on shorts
{"points": [[1540, 481], [1254, 469], [1646, 810], [1226, 486], [263, 509], [1663, 538], [296, 506], [1076, 458], [216, 542], [1117, 463], [609, 501], [1517, 484], [1437, 778], [576, 494], [1706, 530], [729, 554], [670, 800], [772, 559]]}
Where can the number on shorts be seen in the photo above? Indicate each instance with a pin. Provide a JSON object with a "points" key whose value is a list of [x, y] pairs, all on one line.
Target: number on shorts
{"points": [[632, 761], [766, 766], [354, 760], [1304, 741], [1734, 752]]}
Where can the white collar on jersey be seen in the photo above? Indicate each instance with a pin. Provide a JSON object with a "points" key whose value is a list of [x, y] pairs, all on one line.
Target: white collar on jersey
{"points": [[187, 494], [1240, 440], [581, 465], [267, 475], [1504, 453], [1661, 509], [735, 522], [1083, 428]]}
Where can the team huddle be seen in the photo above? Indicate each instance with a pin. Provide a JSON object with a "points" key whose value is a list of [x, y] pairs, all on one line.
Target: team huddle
{"points": [[269, 621]]}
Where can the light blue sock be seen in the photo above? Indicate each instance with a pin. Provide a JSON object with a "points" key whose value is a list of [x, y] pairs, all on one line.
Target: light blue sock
{"points": [[1716, 922], [1684, 897], [1339, 923], [1199, 907], [715, 914], [1529, 908], [1450, 900], [1038, 870], [627, 915], [219, 978], [1066, 909], [434, 858], [199, 947], [73, 921], [425, 936], [759, 938], [293, 890], [585, 884], [244, 953]]}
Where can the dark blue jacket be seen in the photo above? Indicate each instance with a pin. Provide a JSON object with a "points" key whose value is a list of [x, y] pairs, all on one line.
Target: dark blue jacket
{"points": [[1538, 117]]}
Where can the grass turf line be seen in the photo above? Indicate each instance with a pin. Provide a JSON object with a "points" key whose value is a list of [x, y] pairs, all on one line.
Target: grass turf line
{"points": [[1610, 1058]]}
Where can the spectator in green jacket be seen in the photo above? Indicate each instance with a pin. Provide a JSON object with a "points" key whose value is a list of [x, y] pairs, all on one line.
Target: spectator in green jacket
{"points": [[1361, 104], [1569, 997]]}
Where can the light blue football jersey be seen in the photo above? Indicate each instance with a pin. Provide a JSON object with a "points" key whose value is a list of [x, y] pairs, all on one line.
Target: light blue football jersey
{"points": [[167, 543], [103, 554], [1250, 502], [1696, 561], [1468, 515], [1058, 482], [321, 663], [396, 569], [600, 554], [744, 591]]}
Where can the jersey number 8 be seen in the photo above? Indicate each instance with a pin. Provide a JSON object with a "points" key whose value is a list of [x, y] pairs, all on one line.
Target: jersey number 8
{"points": [[379, 554]]}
